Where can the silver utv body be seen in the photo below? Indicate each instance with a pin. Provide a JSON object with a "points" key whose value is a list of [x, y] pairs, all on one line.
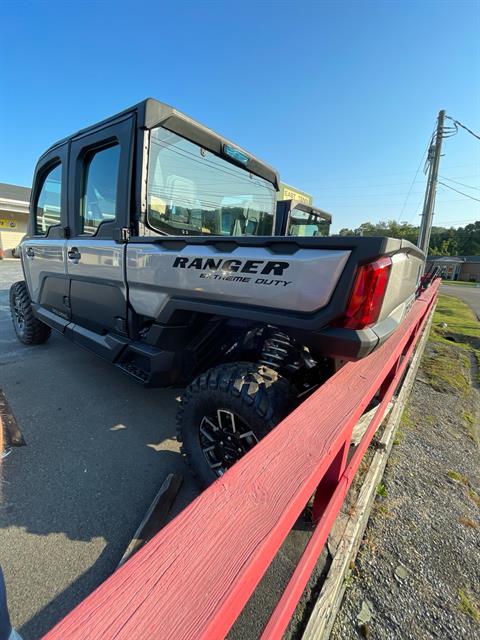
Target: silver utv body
{"points": [[133, 247]]}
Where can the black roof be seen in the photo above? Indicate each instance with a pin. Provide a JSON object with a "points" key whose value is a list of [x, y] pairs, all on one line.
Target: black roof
{"points": [[14, 192], [152, 113]]}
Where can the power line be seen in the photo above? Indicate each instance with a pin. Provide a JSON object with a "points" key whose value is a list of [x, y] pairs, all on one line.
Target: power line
{"points": [[461, 192], [386, 204], [456, 221], [424, 155], [369, 195], [311, 185], [462, 184], [459, 124]]}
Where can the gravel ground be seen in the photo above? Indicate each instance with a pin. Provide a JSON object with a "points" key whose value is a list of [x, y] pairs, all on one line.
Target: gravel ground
{"points": [[417, 570]]}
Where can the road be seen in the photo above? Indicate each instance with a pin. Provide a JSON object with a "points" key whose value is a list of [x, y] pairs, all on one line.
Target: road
{"points": [[470, 295], [98, 448]]}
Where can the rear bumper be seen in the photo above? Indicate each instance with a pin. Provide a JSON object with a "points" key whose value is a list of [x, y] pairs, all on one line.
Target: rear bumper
{"points": [[351, 344]]}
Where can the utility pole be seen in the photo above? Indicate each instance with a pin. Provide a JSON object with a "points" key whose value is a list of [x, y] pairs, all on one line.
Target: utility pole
{"points": [[431, 191]]}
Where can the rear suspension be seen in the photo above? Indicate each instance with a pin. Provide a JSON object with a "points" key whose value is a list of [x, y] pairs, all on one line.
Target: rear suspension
{"points": [[276, 350]]}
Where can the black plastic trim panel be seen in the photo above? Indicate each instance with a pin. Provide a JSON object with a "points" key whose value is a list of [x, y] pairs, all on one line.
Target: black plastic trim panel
{"points": [[49, 318], [366, 246]]}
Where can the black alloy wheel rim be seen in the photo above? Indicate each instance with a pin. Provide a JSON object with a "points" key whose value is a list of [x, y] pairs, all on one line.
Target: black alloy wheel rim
{"points": [[18, 315], [224, 439]]}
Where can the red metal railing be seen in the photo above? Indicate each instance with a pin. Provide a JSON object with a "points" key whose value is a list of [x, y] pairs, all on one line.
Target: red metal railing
{"points": [[194, 578]]}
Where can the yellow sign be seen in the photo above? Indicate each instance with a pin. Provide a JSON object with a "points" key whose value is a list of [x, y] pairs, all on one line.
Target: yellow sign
{"points": [[290, 194], [8, 223]]}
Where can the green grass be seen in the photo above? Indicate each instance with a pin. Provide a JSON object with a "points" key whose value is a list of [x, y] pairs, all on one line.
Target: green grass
{"points": [[458, 477], [461, 283], [462, 324], [469, 421], [382, 490], [450, 364], [448, 370], [474, 497], [468, 606], [406, 420], [399, 437], [349, 579], [476, 353], [455, 344]]}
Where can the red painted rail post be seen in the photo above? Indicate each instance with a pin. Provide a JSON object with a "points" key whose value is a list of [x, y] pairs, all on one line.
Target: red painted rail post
{"points": [[330, 480]]}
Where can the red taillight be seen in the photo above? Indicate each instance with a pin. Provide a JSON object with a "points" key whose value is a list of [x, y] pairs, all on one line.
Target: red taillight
{"points": [[367, 294]]}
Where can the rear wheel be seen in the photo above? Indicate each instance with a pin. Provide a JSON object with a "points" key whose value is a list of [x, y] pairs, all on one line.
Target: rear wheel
{"points": [[226, 411], [29, 329]]}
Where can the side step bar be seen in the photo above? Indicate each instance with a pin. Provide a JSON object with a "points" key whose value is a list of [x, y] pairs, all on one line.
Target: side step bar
{"points": [[143, 362]]}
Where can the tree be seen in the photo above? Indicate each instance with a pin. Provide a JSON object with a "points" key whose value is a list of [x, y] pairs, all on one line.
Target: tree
{"points": [[469, 239], [443, 241]]}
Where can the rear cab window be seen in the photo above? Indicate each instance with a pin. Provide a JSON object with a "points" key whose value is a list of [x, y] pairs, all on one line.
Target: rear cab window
{"points": [[191, 191]]}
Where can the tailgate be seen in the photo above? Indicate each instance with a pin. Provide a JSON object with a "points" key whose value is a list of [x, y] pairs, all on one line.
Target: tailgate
{"points": [[301, 282], [304, 280]]}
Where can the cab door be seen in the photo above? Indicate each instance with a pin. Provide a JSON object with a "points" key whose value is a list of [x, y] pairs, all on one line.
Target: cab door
{"points": [[99, 210], [43, 251]]}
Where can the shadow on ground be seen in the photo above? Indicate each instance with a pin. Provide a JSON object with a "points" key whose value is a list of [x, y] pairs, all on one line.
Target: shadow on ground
{"points": [[98, 448]]}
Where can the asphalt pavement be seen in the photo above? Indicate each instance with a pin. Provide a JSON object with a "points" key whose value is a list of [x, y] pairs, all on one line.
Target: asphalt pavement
{"points": [[470, 295], [98, 448]]}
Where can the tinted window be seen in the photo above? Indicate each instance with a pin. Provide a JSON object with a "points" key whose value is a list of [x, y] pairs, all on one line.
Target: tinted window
{"points": [[305, 224], [192, 191], [49, 201], [99, 198]]}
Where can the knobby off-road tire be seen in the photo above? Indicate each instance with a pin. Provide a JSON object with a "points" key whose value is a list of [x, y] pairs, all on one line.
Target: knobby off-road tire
{"points": [[257, 397], [29, 329]]}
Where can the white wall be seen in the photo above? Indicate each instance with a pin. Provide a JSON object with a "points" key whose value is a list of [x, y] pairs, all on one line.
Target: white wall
{"points": [[11, 236]]}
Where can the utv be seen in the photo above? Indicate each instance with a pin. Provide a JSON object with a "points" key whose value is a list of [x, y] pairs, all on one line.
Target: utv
{"points": [[294, 218], [151, 243]]}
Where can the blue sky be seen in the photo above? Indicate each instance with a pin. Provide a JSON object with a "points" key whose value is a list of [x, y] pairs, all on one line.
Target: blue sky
{"points": [[341, 97]]}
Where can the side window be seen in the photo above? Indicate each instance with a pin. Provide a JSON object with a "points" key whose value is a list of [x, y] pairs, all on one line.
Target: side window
{"points": [[99, 193], [48, 209]]}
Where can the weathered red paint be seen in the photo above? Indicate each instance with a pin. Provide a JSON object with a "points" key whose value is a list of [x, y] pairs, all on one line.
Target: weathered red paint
{"points": [[194, 578]]}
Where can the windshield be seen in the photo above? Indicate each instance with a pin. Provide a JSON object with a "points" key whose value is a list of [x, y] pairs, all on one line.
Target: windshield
{"points": [[307, 224], [192, 191]]}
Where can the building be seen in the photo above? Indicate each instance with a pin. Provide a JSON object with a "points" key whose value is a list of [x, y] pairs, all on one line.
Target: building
{"points": [[465, 268], [470, 270], [14, 203]]}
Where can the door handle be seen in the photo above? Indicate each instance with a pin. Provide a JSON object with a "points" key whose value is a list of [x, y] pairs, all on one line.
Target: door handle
{"points": [[74, 254], [30, 252]]}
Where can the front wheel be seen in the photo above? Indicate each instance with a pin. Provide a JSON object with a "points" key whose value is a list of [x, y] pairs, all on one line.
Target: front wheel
{"points": [[29, 329], [226, 411]]}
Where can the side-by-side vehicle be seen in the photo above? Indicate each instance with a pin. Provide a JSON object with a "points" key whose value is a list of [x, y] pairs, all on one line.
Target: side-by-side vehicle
{"points": [[152, 242]]}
